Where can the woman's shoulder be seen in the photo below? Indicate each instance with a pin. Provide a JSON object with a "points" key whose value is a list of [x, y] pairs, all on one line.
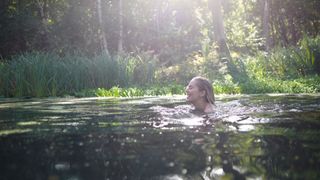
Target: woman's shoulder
{"points": [[210, 108]]}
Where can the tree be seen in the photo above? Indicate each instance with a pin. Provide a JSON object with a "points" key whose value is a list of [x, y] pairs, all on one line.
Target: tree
{"points": [[43, 7], [218, 28], [266, 25], [101, 30], [168, 28], [120, 42]]}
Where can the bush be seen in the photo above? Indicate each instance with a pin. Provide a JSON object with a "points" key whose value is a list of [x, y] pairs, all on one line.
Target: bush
{"points": [[289, 62]]}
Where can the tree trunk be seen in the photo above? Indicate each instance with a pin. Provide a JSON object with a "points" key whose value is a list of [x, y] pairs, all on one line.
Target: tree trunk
{"points": [[283, 30], [293, 32], [221, 38], [157, 20], [120, 43], [273, 26], [21, 45], [42, 5], [266, 30], [102, 33], [218, 28]]}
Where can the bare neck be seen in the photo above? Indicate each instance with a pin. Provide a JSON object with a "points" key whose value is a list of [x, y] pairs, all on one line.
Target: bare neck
{"points": [[203, 106]]}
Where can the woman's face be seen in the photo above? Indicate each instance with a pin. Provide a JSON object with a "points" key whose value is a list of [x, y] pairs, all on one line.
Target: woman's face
{"points": [[193, 92]]}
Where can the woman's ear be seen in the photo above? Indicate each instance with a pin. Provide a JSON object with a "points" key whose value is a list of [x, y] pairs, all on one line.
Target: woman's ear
{"points": [[203, 93]]}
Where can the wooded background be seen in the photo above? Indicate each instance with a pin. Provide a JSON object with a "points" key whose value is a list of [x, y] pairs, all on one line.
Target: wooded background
{"points": [[170, 28]]}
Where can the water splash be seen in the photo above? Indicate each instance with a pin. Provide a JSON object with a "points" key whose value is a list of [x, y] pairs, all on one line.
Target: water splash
{"points": [[179, 115]]}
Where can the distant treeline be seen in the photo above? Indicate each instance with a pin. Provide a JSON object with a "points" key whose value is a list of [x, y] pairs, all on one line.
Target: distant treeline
{"points": [[170, 29]]}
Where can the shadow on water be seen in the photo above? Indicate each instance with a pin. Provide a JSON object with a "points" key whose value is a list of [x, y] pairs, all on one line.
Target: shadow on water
{"points": [[256, 136]]}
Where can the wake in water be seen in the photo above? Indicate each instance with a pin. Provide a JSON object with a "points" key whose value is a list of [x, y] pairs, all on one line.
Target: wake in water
{"points": [[234, 112], [181, 114], [185, 115]]}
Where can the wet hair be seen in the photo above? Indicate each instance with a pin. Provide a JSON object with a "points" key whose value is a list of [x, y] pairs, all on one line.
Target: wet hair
{"points": [[205, 85]]}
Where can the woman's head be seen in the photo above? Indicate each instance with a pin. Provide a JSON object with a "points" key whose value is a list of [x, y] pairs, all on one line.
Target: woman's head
{"points": [[200, 88]]}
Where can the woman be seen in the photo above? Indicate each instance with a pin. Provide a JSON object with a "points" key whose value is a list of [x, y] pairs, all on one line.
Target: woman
{"points": [[200, 94]]}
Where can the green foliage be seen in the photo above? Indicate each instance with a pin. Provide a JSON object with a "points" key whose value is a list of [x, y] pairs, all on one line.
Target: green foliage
{"points": [[172, 29], [226, 88], [181, 72], [137, 68], [290, 19], [284, 70], [140, 67], [290, 62], [28, 75], [40, 74], [155, 90], [2, 77], [243, 31], [165, 90], [197, 63], [118, 92], [252, 86], [310, 54], [46, 74], [269, 85], [272, 85]]}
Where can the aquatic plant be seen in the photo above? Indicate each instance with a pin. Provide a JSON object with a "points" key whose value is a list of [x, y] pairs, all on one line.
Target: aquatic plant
{"points": [[155, 90]]}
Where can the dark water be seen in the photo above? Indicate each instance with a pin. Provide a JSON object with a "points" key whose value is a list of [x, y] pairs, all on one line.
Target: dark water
{"points": [[249, 137]]}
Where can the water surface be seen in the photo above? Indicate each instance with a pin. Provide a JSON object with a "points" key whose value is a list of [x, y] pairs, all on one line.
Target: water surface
{"points": [[248, 137]]}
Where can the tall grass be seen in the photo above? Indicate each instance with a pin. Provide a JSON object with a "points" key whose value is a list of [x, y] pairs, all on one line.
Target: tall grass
{"points": [[40, 74], [139, 68], [289, 62]]}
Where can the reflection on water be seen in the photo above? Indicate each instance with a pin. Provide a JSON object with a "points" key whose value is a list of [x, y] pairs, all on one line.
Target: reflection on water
{"points": [[248, 137]]}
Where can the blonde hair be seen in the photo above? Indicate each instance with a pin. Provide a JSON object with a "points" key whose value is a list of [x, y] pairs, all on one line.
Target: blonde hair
{"points": [[205, 85]]}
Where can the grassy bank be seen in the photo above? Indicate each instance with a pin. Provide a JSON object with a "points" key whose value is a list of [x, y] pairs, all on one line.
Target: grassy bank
{"points": [[309, 84], [302, 85], [293, 69]]}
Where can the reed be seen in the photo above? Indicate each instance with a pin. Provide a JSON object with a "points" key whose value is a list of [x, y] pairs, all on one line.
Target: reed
{"points": [[39, 74]]}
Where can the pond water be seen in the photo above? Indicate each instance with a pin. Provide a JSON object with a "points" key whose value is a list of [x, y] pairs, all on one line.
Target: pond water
{"points": [[249, 137]]}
